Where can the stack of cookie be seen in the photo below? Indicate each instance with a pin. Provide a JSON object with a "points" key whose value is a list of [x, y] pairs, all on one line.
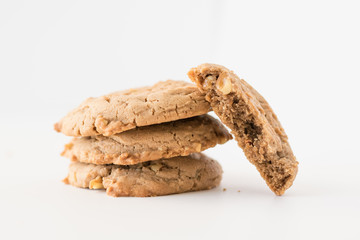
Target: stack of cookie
{"points": [[144, 142]]}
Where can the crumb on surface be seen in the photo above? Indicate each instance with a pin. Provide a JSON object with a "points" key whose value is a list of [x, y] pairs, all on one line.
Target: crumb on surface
{"points": [[238, 190], [224, 189], [66, 180]]}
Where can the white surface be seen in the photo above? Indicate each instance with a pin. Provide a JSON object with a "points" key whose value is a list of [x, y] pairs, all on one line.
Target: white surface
{"points": [[302, 56]]}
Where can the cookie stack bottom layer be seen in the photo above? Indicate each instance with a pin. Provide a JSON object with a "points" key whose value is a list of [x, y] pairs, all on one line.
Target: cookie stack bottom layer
{"points": [[154, 178]]}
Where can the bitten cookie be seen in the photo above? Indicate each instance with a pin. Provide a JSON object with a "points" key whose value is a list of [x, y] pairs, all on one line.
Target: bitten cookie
{"points": [[120, 111], [155, 178], [252, 121], [165, 140]]}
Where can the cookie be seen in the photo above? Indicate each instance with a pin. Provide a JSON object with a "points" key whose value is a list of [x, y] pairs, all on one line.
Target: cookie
{"points": [[155, 178], [120, 111], [165, 140], [252, 121]]}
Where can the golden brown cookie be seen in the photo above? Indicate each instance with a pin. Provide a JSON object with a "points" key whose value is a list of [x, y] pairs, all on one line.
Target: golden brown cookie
{"points": [[120, 111], [155, 178], [165, 140], [252, 121]]}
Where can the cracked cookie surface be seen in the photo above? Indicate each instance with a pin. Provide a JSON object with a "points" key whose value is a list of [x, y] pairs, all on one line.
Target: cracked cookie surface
{"points": [[165, 140], [252, 121], [123, 110], [155, 178]]}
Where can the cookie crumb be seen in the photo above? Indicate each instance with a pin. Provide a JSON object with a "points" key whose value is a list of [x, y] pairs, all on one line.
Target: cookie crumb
{"points": [[66, 180], [238, 190], [224, 189]]}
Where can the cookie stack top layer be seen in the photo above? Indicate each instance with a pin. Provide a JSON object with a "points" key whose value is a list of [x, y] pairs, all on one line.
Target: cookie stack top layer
{"points": [[120, 111]]}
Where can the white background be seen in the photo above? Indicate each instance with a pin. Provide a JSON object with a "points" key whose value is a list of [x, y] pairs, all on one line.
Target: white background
{"points": [[303, 56]]}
